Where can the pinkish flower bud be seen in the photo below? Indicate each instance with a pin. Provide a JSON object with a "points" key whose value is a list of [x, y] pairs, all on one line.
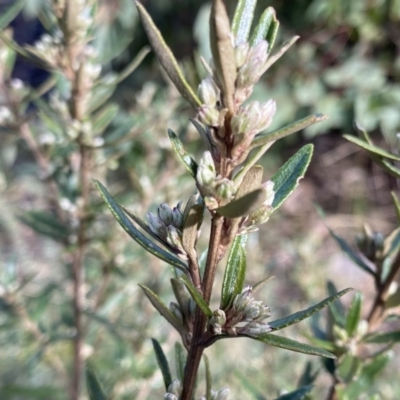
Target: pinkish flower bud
{"points": [[208, 115]]}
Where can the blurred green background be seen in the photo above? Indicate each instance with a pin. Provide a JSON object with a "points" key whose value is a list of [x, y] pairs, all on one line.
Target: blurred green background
{"points": [[346, 65]]}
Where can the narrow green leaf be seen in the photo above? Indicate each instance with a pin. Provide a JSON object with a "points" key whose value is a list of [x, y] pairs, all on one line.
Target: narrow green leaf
{"points": [[396, 202], [261, 283], [166, 58], [389, 168], [93, 386], [162, 363], [261, 30], [383, 338], [208, 378], [354, 314], [184, 157], [137, 60], [180, 360], [103, 118], [290, 344], [300, 315], [322, 343], [272, 33], [298, 394], [336, 308], [135, 234], [242, 20], [46, 224], [235, 271], [352, 254], [10, 13], [162, 309], [203, 132], [191, 227], [371, 148], [196, 295], [223, 52], [288, 176], [243, 206], [265, 138], [348, 369], [182, 296]]}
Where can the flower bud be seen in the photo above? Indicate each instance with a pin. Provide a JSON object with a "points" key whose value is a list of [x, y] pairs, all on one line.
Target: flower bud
{"points": [[241, 53], [208, 115], [252, 310], [165, 214], [206, 170], [175, 387], [170, 396], [255, 328], [225, 189], [156, 225], [174, 238], [251, 71], [222, 394], [243, 299], [209, 92], [217, 321]]}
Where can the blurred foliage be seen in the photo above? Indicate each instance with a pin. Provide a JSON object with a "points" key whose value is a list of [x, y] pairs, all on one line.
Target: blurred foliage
{"points": [[347, 65]]}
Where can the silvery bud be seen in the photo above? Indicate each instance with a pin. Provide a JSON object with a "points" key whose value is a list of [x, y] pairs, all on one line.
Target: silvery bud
{"points": [[156, 225], [265, 313], [255, 328], [217, 321], [252, 310], [174, 239], [206, 172], [253, 118], [251, 71], [208, 115], [172, 217], [225, 189], [209, 92], [243, 299], [175, 387], [222, 394], [170, 396], [269, 191], [241, 52]]}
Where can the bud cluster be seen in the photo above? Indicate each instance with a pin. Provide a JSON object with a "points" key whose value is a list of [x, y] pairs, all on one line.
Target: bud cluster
{"points": [[244, 316], [215, 189], [371, 244], [167, 225]]}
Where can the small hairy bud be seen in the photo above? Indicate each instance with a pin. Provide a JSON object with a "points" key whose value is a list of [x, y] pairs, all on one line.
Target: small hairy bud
{"points": [[206, 171], [255, 328], [222, 394], [208, 92], [170, 396], [217, 321], [175, 387]]}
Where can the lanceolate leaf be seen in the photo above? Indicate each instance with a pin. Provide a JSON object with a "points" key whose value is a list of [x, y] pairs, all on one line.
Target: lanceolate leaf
{"points": [[271, 34], [299, 316], [10, 13], [298, 394], [223, 52], [263, 26], [208, 378], [184, 157], [396, 202], [166, 58], [290, 344], [264, 138], [383, 338], [162, 363], [235, 271], [242, 20], [135, 234], [196, 295], [353, 255], [162, 309], [288, 176], [243, 206], [354, 314], [276, 56], [371, 148], [94, 387]]}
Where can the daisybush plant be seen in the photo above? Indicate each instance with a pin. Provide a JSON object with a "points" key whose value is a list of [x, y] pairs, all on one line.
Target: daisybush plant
{"points": [[230, 189], [362, 338]]}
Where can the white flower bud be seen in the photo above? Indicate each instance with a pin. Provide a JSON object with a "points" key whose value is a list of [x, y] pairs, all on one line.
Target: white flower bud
{"points": [[208, 115], [206, 170], [170, 396], [175, 387], [255, 328], [209, 92], [241, 53], [222, 394], [225, 189]]}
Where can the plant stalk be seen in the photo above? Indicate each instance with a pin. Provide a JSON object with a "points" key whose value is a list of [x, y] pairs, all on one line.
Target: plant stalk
{"points": [[196, 349]]}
